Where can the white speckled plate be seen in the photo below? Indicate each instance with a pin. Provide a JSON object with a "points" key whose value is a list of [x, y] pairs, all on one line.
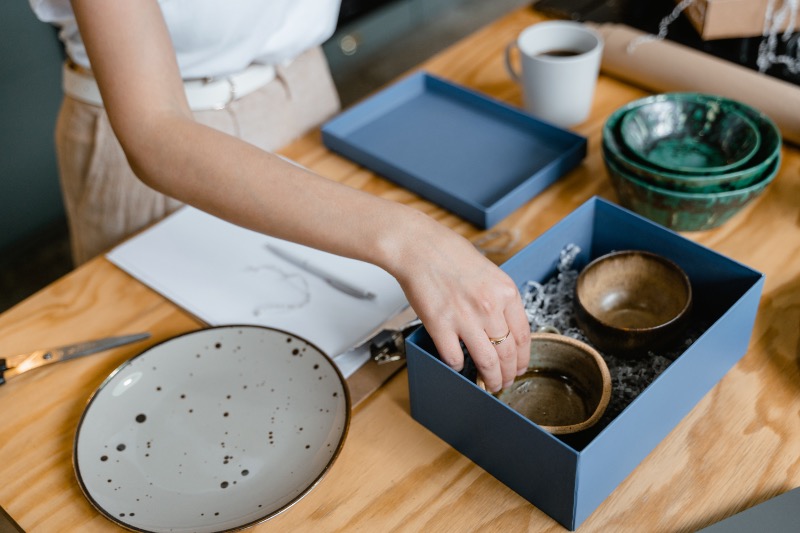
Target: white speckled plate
{"points": [[213, 430]]}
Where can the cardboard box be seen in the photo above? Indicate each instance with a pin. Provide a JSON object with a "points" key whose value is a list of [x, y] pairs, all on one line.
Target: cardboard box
{"points": [[726, 19], [569, 477]]}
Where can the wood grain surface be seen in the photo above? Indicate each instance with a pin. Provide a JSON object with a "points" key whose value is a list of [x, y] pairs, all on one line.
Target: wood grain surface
{"points": [[738, 447]]}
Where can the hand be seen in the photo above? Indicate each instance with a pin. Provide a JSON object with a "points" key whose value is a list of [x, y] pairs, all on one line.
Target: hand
{"points": [[461, 296]]}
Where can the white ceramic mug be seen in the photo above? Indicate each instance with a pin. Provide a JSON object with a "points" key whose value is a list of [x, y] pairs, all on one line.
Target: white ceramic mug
{"points": [[560, 62]]}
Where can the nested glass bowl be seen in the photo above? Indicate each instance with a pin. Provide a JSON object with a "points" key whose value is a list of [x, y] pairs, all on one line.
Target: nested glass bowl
{"points": [[748, 174], [693, 135]]}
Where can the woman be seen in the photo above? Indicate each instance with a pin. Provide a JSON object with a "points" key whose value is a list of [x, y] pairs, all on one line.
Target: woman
{"points": [[145, 67]]}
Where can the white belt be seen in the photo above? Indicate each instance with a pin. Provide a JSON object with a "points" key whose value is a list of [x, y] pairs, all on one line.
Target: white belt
{"points": [[202, 94]]}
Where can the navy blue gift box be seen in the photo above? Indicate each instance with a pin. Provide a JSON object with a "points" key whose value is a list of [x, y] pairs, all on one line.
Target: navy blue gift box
{"points": [[568, 481]]}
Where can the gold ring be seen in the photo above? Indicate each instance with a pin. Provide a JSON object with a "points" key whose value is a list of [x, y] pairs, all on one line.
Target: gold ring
{"points": [[498, 340]]}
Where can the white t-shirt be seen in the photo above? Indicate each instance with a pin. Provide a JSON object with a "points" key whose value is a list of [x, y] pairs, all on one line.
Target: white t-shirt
{"points": [[219, 37]]}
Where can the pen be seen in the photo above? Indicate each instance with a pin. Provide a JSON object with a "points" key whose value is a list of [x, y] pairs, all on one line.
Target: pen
{"points": [[330, 278]]}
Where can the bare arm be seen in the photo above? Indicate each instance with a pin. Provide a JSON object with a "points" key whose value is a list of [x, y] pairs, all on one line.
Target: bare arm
{"points": [[457, 292]]}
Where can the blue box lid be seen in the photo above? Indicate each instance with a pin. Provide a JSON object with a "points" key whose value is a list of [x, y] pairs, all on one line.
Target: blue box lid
{"points": [[471, 154]]}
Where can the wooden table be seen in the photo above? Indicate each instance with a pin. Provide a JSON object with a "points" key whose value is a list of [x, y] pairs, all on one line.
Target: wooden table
{"points": [[738, 447]]}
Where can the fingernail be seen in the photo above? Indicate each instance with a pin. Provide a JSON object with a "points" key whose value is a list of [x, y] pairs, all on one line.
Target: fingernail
{"points": [[522, 371], [507, 384]]}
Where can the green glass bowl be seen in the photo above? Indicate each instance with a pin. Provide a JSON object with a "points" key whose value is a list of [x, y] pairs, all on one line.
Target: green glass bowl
{"points": [[690, 135], [768, 151], [682, 211]]}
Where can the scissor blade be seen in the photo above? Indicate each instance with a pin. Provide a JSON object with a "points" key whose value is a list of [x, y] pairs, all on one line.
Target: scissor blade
{"points": [[24, 362], [73, 351]]}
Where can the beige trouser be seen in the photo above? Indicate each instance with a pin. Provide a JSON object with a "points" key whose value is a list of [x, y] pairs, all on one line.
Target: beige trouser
{"points": [[105, 202]]}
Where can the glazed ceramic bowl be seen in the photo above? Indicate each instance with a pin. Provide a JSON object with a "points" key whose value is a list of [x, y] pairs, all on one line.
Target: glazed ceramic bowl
{"points": [[679, 210], [690, 135], [632, 301], [752, 171], [567, 386]]}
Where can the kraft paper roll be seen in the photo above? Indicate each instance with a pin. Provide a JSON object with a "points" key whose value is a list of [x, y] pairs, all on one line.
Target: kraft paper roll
{"points": [[665, 66]]}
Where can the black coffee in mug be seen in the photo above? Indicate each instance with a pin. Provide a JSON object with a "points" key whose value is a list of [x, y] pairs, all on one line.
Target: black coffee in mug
{"points": [[559, 53]]}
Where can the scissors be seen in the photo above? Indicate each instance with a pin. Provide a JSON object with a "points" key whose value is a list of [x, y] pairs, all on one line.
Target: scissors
{"points": [[17, 364]]}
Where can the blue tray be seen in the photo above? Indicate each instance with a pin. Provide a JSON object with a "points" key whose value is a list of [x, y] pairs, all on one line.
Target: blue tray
{"points": [[475, 156]]}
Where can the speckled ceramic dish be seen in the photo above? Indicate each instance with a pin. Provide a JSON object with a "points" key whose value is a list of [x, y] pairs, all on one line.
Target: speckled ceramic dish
{"points": [[691, 134], [214, 430]]}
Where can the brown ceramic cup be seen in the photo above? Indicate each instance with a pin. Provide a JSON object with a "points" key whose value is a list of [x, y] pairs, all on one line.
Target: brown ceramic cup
{"points": [[632, 301], [567, 386]]}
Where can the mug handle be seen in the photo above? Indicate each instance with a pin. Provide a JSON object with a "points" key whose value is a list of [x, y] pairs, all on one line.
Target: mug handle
{"points": [[509, 66]]}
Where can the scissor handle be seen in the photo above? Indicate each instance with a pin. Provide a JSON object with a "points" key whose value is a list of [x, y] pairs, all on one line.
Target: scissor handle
{"points": [[3, 368]]}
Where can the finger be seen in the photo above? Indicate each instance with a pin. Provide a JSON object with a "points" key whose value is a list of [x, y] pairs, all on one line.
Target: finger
{"points": [[485, 357], [507, 355], [449, 348], [521, 330]]}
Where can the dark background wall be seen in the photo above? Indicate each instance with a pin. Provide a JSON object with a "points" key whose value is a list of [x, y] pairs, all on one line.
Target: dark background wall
{"points": [[30, 93]]}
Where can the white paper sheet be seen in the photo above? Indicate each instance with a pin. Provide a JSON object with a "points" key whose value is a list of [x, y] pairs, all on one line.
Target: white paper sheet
{"points": [[224, 274]]}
